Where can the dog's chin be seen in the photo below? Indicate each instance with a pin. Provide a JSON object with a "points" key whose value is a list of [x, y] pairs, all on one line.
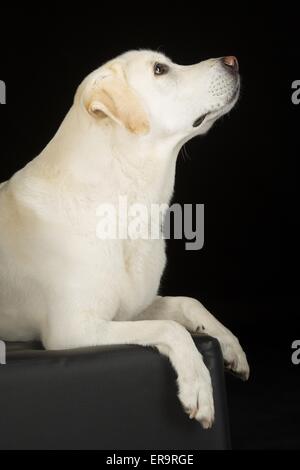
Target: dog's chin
{"points": [[228, 106], [204, 122]]}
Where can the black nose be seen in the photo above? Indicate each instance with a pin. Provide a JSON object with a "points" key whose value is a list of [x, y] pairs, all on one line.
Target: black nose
{"points": [[231, 63]]}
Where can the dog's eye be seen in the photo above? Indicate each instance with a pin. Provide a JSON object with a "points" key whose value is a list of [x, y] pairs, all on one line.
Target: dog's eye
{"points": [[160, 69]]}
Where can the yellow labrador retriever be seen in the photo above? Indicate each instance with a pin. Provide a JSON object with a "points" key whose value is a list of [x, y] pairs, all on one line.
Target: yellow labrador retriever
{"points": [[62, 284]]}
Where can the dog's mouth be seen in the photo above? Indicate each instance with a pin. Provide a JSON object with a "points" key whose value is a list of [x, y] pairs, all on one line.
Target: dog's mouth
{"points": [[199, 121], [203, 117]]}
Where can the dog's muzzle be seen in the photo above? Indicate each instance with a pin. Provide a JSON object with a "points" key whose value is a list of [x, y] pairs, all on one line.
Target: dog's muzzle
{"points": [[224, 87]]}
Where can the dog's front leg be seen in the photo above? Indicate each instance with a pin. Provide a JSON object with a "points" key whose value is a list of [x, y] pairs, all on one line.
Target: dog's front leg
{"points": [[170, 338], [191, 314]]}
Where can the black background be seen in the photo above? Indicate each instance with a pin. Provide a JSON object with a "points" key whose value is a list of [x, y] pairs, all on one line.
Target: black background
{"points": [[244, 171]]}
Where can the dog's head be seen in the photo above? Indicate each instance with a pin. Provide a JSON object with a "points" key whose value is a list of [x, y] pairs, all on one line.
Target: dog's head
{"points": [[148, 94]]}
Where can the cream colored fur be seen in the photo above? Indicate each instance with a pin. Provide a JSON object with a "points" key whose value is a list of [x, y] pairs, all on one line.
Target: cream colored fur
{"points": [[61, 284]]}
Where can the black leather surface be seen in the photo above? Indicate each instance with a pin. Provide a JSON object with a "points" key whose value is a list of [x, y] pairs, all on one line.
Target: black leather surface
{"points": [[108, 397]]}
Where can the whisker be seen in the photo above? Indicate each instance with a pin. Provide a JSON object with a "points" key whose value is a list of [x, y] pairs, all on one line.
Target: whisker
{"points": [[185, 153]]}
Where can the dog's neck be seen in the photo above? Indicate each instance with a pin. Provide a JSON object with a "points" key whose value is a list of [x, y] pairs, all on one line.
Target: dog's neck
{"points": [[90, 150]]}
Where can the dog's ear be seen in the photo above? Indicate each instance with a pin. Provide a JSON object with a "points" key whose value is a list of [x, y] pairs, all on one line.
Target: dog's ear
{"points": [[111, 96]]}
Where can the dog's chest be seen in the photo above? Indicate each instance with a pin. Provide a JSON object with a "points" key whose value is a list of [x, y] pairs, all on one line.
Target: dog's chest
{"points": [[143, 265]]}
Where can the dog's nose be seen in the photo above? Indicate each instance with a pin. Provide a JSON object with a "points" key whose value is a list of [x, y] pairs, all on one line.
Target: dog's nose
{"points": [[231, 62]]}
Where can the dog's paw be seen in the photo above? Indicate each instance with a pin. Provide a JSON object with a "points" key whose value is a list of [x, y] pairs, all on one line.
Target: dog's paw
{"points": [[234, 357], [196, 396]]}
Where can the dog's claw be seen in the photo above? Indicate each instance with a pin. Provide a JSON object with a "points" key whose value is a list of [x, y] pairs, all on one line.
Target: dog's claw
{"points": [[238, 366]]}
